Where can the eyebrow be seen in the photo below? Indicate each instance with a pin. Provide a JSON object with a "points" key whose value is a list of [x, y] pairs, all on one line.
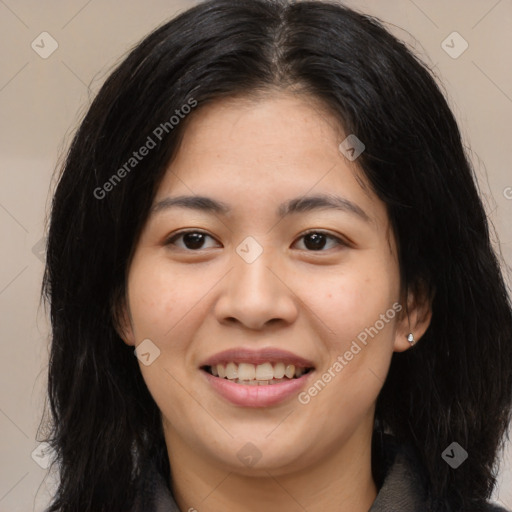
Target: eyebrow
{"points": [[293, 206]]}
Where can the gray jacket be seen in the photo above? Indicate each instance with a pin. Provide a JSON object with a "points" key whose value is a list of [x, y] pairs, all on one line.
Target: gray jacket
{"points": [[402, 486]]}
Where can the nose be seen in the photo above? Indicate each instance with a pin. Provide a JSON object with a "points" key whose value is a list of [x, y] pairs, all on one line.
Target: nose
{"points": [[257, 294]]}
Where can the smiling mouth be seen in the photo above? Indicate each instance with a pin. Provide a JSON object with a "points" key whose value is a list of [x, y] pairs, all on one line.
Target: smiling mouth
{"points": [[257, 375]]}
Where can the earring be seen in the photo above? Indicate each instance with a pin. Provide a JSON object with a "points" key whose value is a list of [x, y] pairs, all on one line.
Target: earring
{"points": [[410, 338]]}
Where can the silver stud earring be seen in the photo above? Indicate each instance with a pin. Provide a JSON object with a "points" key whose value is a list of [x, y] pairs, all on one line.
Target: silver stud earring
{"points": [[410, 338]]}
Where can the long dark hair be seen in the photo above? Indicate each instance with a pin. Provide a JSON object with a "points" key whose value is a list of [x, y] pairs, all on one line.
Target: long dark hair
{"points": [[454, 385]]}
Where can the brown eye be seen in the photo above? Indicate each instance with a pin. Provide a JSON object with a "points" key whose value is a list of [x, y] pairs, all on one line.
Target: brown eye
{"points": [[192, 240], [317, 240]]}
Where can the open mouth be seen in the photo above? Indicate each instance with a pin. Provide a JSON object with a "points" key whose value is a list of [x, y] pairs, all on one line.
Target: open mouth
{"points": [[257, 375]]}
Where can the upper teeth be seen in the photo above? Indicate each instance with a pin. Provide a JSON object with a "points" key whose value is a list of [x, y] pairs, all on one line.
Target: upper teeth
{"points": [[263, 372]]}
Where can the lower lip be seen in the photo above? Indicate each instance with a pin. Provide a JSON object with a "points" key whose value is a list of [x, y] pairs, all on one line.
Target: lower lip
{"points": [[256, 396]]}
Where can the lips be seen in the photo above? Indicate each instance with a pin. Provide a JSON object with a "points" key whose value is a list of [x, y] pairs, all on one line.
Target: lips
{"points": [[261, 378]]}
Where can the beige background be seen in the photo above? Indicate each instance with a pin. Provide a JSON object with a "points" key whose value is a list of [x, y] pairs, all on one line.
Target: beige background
{"points": [[41, 101]]}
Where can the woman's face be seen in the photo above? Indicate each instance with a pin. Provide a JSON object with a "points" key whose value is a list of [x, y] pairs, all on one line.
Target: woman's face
{"points": [[250, 280]]}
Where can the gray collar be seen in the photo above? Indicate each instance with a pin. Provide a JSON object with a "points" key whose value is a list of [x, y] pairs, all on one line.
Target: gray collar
{"points": [[404, 484]]}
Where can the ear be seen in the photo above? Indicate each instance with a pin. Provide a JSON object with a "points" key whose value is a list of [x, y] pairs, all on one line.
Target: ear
{"points": [[122, 321], [414, 318]]}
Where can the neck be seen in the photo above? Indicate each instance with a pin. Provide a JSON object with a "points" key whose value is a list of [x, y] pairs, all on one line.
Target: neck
{"points": [[339, 482]]}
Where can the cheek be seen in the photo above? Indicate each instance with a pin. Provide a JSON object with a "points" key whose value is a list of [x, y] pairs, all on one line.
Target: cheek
{"points": [[159, 298], [360, 313], [164, 305], [349, 302]]}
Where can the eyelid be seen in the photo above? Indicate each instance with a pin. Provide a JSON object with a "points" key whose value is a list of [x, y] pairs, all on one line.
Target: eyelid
{"points": [[340, 241]]}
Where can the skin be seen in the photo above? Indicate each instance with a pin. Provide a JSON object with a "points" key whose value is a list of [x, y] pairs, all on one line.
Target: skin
{"points": [[195, 302]]}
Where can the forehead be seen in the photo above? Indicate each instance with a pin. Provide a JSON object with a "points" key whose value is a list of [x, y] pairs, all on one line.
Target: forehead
{"points": [[267, 149], [282, 124]]}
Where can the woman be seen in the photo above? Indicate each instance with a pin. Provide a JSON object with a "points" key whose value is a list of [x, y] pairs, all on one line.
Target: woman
{"points": [[269, 205]]}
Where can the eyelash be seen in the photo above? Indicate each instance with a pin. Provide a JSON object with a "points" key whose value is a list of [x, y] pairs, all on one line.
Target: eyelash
{"points": [[339, 242]]}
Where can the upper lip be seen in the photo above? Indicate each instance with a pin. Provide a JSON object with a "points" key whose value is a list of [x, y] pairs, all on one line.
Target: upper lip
{"points": [[265, 355]]}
